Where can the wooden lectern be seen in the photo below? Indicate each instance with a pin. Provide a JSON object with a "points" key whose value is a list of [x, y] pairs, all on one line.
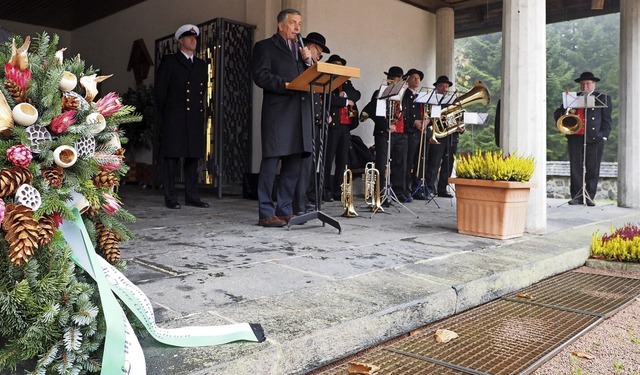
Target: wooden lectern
{"points": [[320, 78]]}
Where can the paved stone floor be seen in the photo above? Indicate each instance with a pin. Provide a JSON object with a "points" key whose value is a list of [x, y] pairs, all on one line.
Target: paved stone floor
{"points": [[320, 295]]}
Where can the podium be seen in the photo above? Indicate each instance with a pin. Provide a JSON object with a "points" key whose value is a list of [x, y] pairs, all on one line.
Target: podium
{"points": [[320, 78]]}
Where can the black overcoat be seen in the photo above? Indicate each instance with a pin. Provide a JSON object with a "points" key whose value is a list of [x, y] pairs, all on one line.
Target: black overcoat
{"points": [[286, 114], [180, 88]]}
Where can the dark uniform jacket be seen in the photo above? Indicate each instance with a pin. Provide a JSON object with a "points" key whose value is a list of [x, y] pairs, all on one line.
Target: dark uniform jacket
{"points": [[598, 120], [411, 111], [180, 88], [286, 114]]}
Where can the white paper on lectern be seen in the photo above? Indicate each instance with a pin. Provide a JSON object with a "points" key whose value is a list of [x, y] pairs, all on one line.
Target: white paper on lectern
{"points": [[475, 118], [573, 100], [435, 112]]}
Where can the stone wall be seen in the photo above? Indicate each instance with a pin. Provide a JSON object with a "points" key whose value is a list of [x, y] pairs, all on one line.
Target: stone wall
{"points": [[558, 181]]}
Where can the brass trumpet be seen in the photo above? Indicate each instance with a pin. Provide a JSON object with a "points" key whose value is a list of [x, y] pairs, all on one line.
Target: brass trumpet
{"points": [[372, 196], [347, 194], [569, 123]]}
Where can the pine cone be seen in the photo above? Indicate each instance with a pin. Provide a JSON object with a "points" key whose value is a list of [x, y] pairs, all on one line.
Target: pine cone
{"points": [[108, 243], [46, 229], [69, 103], [53, 176], [22, 233], [105, 179], [12, 178], [91, 212], [18, 95]]}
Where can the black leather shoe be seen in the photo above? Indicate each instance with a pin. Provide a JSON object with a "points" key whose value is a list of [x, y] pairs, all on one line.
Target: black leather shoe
{"points": [[590, 203], [575, 201], [200, 204], [445, 195], [173, 205]]}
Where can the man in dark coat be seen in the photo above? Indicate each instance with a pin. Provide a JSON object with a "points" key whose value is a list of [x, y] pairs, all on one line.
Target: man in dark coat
{"points": [[413, 121], [596, 122], [180, 86], [286, 117]]}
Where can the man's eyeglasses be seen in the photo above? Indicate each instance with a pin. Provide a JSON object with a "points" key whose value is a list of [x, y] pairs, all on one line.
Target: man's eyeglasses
{"points": [[319, 51]]}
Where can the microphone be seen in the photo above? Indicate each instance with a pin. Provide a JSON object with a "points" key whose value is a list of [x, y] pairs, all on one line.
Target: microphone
{"points": [[300, 40]]}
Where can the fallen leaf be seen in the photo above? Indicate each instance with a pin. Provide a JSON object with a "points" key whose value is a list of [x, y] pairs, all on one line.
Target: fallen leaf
{"points": [[524, 295], [580, 354], [361, 368], [445, 335]]}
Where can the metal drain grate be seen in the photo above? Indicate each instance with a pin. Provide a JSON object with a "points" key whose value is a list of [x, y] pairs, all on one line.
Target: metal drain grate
{"points": [[396, 364], [511, 335], [587, 293]]}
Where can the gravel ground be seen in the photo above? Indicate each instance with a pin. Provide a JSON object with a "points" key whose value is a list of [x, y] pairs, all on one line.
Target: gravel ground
{"points": [[613, 347]]}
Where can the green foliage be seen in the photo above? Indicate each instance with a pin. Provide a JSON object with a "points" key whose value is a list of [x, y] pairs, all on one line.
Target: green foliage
{"points": [[140, 133], [589, 44], [493, 165], [623, 244]]}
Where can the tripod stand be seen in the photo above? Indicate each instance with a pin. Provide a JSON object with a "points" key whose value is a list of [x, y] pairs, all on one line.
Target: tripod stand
{"points": [[387, 194], [422, 168]]}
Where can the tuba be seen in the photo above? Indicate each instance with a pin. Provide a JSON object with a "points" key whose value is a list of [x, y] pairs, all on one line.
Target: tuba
{"points": [[347, 194], [372, 196], [451, 117], [569, 123]]}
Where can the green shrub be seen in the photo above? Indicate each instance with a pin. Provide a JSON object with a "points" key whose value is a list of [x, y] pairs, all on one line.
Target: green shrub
{"points": [[493, 165], [623, 244]]}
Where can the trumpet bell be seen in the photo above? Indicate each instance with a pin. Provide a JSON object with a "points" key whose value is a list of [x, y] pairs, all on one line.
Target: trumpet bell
{"points": [[569, 123]]}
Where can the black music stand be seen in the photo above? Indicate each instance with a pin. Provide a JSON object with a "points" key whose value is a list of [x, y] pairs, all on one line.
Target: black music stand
{"points": [[321, 77]]}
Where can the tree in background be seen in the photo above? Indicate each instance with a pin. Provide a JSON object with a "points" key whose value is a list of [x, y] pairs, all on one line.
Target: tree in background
{"points": [[590, 44]]}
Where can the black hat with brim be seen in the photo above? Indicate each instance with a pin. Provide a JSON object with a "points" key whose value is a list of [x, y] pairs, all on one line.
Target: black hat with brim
{"points": [[587, 76], [318, 40], [414, 71], [335, 58], [395, 71], [443, 79]]}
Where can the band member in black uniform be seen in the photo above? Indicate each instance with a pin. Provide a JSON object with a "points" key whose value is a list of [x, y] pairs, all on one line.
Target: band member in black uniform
{"points": [[440, 156], [383, 125], [597, 125], [412, 113], [344, 115]]}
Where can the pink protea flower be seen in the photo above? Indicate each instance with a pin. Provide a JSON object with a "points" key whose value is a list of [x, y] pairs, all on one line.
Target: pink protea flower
{"points": [[111, 204], [108, 162], [20, 78], [109, 105], [2, 210], [19, 155], [61, 123], [57, 219]]}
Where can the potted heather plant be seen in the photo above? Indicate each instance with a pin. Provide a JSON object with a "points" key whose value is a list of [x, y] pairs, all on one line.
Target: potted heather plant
{"points": [[492, 193]]}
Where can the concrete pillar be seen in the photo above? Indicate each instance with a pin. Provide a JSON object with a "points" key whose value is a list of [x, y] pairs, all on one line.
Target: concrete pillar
{"points": [[445, 39], [629, 133], [524, 96]]}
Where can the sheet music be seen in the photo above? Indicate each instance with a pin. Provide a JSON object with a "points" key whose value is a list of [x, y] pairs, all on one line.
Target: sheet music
{"points": [[475, 118], [574, 99]]}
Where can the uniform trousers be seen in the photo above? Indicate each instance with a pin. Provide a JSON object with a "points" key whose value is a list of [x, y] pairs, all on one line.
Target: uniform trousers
{"points": [[592, 162], [170, 167], [338, 143]]}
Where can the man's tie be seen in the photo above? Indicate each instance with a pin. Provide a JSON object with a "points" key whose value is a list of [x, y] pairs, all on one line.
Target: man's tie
{"points": [[294, 50]]}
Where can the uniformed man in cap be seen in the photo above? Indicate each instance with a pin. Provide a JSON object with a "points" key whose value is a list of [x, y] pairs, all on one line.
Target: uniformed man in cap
{"points": [[413, 116], [180, 87]]}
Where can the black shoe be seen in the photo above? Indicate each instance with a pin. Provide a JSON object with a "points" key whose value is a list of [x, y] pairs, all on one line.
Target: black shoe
{"points": [[575, 201], [386, 203], [590, 203], [445, 195], [419, 196], [172, 204], [430, 196], [200, 204]]}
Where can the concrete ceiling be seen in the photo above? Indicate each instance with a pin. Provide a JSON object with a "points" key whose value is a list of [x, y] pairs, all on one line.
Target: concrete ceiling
{"points": [[476, 17]]}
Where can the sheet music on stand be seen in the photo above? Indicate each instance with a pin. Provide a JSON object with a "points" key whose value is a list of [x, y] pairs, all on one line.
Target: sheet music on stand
{"points": [[475, 118], [389, 92], [572, 99], [429, 95]]}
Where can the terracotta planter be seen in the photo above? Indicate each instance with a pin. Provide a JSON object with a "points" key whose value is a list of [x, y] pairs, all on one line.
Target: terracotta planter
{"points": [[494, 209]]}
